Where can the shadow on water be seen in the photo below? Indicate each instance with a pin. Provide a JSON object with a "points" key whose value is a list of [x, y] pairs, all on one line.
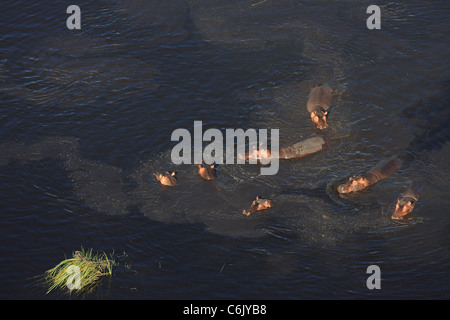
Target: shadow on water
{"points": [[312, 213], [430, 121], [313, 210], [81, 77]]}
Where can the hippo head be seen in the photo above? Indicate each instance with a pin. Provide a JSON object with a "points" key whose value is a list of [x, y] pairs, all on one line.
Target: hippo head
{"points": [[158, 176], [267, 204], [207, 173], [257, 154], [353, 184], [403, 207], [167, 179], [263, 153], [320, 119]]}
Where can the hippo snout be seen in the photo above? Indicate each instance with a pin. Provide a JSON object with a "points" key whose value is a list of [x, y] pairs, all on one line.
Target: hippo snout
{"points": [[403, 207], [322, 125], [343, 188]]}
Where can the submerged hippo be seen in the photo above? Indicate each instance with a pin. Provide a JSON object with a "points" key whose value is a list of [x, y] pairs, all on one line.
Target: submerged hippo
{"points": [[258, 204], [207, 173], [305, 147], [379, 172], [167, 179], [299, 149], [319, 101], [407, 201]]}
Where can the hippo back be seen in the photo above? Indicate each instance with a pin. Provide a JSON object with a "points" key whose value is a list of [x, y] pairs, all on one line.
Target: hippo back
{"points": [[319, 96], [304, 147]]}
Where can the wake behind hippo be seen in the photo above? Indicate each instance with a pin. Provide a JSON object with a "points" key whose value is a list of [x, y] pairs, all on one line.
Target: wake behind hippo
{"points": [[380, 171], [319, 101]]}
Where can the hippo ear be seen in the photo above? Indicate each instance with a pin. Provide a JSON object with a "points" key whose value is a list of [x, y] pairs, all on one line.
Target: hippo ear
{"points": [[257, 197], [211, 166], [325, 113], [172, 174]]}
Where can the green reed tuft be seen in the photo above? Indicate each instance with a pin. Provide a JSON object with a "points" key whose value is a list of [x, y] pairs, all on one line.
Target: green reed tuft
{"points": [[92, 267]]}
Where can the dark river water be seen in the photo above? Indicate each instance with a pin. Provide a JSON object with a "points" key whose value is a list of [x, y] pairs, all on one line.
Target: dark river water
{"points": [[87, 116]]}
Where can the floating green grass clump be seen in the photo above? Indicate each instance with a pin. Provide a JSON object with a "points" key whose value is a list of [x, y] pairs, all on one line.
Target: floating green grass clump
{"points": [[81, 273]]}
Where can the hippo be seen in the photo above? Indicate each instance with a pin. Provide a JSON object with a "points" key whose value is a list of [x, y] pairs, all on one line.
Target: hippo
{"points": [[407, 201], [258, 204], [319, 101], [167, 179], [207, 172], [299, 149], [379, 172], [305, 147]]}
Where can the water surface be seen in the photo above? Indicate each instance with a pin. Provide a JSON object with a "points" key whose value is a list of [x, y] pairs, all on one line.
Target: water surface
{"points": [[87, 117]]}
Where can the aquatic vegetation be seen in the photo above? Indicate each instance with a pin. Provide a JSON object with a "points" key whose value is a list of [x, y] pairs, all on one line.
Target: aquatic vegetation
{"points": [[81, 273]]}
